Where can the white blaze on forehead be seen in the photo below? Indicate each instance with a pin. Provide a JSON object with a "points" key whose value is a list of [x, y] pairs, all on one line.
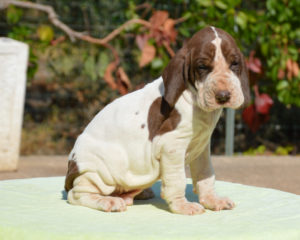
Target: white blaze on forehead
{"points": [[213, 28], [217, 42]]}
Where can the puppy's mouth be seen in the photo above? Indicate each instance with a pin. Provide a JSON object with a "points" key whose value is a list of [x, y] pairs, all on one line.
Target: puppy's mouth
{"points": [[209, 105], [215, 102]]}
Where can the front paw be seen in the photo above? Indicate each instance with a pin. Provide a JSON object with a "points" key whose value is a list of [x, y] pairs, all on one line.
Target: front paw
{"points": [[216, 203], [182, 206]]}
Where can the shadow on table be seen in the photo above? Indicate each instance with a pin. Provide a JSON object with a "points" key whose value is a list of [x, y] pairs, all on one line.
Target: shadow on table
{"points": [[157, 201], [64, 195]]}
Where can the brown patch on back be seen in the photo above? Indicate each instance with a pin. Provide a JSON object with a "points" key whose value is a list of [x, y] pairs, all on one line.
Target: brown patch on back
{"points": [[73, 172], [161, 118]]}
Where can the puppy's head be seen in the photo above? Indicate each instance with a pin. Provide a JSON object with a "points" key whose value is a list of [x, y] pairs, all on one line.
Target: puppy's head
{"points": [[212, 67]]}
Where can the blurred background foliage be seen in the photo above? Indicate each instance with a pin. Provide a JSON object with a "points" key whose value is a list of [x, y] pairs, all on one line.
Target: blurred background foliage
{"points": [[66, 85]]}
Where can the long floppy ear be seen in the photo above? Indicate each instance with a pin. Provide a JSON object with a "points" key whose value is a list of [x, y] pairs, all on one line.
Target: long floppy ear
{"points": [[174, 78], [245, 82], [162, 108]]}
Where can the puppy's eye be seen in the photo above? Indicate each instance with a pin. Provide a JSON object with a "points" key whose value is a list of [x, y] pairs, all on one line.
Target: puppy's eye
{"points": [[234, 64], [203, 67]]}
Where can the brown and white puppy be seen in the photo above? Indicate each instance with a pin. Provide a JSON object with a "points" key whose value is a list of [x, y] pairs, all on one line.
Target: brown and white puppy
{"points": [[154, 132]]}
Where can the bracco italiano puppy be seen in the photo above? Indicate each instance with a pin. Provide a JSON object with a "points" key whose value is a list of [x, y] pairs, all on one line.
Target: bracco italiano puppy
{"points": [[154, 132]]}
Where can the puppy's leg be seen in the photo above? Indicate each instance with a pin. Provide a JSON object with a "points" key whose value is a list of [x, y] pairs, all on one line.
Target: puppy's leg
{"points": [[204, 183], [174, 181], [90, 191], [129, 196]]}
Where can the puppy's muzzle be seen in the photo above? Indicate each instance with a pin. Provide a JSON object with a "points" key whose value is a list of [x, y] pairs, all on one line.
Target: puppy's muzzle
{"points": [[222, 96]]}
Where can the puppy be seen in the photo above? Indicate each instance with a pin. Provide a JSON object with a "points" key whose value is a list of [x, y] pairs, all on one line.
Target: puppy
{"points": [[154, 132]]}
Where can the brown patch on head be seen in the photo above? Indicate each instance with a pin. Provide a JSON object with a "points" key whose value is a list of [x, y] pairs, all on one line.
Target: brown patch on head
{"points": [[143, 125], [161, 119], [236, 62], [182, 68], [231, 52], [187, 65], [202, 53], [73, 172]]}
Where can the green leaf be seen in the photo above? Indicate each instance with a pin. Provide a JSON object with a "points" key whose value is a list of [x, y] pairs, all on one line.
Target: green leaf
{"points": [[233, 3], [205, 3], [293, 51], [103, 61], [274, 72], [221, 5], [67, 65], [241, 20], [261, 149], [13, 14], [45, 33], [271, 6], [187, 15], [90, 67], [283, 150], [151, 41], [251, 18], [282, 84], [184, 31], [157, 63], [283, 96], [230, 12], [264, 47], [20, 33]]}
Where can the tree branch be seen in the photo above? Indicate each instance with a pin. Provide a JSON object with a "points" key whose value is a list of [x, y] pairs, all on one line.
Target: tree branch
{"points": [[179, 20], [168, 48], [52, 16], [73, 35], [70, 32]]}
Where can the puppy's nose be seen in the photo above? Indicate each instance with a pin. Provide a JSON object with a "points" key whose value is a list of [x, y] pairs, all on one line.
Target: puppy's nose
{"points": [[222, 96]]}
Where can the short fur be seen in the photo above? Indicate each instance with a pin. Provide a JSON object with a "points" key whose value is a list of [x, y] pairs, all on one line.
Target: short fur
{"points": [[152, 133]]}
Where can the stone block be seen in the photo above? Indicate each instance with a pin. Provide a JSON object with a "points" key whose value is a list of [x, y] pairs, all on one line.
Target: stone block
{"points": [[13, 66]]}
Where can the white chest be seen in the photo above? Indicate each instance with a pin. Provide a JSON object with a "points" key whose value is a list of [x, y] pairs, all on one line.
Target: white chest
{"points": [[200, 128]]}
